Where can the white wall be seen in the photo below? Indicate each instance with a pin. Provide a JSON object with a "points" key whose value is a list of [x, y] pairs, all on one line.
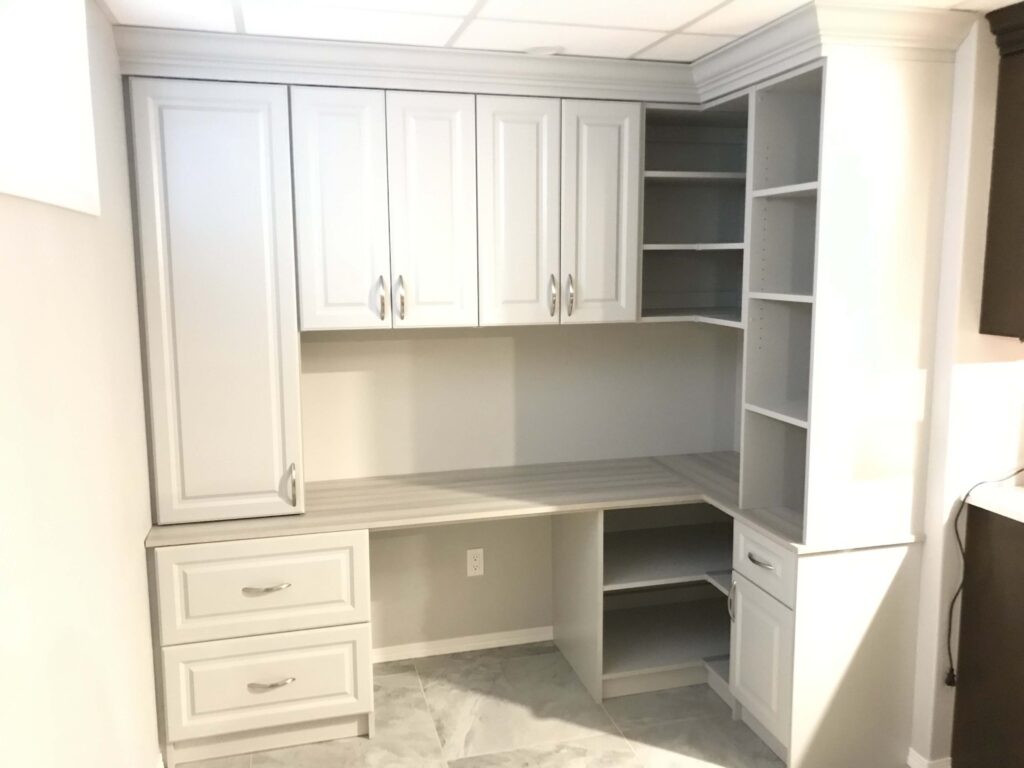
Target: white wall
{"points": [[420, 401], [75, 647], [977, 429]]}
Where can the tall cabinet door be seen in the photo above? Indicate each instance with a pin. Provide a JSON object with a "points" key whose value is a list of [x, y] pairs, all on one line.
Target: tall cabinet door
{"points": [[432, 189], [762, 656], [600, 211], [517, 174], [218, 279], [341, 208]]}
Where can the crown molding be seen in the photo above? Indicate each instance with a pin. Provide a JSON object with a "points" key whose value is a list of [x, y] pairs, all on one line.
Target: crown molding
{"points": [[251, 58], [820, 29], [1007, 25]]}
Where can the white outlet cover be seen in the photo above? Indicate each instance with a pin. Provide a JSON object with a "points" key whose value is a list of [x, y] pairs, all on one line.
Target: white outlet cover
{"points": [[474, 562]]}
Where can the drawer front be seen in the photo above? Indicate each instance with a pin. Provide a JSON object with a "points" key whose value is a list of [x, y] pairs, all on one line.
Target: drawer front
{"points": [[767, 564], [229, 686], [260, 586]]}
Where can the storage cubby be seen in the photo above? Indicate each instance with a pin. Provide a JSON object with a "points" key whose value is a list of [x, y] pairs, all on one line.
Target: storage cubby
{"points": [[787, 123], [774, 470], [695, 283], [779, 358], [688, 211], [782, 245], [666, 575], [695, 140]]}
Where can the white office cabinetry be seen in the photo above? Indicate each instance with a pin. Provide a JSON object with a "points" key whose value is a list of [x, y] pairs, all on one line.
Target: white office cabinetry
{"points": [[762, 656], [600, 210], [218, 279], [341, 208], [432, 191], [518, 164]]}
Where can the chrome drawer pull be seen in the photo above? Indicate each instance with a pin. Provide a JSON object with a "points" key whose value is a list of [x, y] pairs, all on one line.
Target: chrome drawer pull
{"points": [[265, 590], [731, 602], [261, 687], [759, 562]]}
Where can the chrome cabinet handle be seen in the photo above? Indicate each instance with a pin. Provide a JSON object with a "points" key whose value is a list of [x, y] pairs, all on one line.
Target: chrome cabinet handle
{"points": [[571, 297], [401, 298], [266, 590], [261, 687], [293, 489], [381, 296], [553, 300], [731, 601], [759, 562]]}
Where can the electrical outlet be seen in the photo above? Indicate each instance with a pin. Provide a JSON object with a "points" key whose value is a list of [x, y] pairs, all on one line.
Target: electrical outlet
{"points": [[474, 562]]}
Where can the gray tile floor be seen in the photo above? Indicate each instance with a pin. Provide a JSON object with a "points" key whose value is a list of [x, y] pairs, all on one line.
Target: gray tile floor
{"points": [[523, 706]]}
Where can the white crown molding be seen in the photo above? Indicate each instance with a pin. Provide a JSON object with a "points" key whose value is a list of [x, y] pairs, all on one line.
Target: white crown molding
{"points": [[819, 29], [251, 58]]}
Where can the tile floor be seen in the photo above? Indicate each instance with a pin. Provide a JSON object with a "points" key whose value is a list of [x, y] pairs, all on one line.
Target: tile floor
{"points": [[523, 706]]}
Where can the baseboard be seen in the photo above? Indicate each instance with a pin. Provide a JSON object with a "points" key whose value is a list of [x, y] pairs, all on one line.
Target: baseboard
{"points": [[914, 760], [461, 644]]}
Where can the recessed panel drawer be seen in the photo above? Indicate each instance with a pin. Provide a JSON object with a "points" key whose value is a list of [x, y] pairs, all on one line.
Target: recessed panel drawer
{"points": [[229, 686], [259, 586], [769, 565]]}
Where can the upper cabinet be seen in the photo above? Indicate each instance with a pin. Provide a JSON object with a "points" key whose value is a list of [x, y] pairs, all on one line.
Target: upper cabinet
{"points": [[600, 210], [517, 172], [432, 189], [218, 281], [341, 208]]}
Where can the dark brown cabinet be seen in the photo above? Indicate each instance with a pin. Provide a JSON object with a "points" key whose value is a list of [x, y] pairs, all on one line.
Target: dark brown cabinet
{"points": [[1002, 307]]}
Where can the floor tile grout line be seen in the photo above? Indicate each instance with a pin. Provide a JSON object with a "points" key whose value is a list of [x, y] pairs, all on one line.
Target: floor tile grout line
{"points": [[620, 731], [433, 722]]}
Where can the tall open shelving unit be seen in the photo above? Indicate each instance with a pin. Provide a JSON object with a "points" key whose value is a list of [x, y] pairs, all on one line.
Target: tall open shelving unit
{"points": [[782, 236], [695, 184]]}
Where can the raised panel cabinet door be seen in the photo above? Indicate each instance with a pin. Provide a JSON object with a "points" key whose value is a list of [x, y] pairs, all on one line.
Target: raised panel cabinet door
{"points": [[600, 211], [341, 208], [518, 154], [213, 179], [762, 656], [432, 190]]}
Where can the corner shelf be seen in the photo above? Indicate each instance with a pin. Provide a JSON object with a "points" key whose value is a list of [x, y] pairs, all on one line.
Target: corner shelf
{"points": [[687, 247], [805, 189], [713, 177], [796, 298], [659, 557], [790, 413], [727, 318], [721, 580]]}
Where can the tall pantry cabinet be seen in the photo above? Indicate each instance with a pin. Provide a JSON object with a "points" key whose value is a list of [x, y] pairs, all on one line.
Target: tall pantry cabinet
{"points": [[218, 283]]}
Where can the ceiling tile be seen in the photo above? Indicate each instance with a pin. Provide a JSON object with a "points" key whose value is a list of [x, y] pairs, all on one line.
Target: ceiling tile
{"points": [[685, 47], [742, 16], [331, 21], [487, 34], [209, 15], [662, 15], [428, 7]]}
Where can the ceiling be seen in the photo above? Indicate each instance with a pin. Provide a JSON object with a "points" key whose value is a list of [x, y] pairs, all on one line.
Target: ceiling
{"points": [[666, 30]]}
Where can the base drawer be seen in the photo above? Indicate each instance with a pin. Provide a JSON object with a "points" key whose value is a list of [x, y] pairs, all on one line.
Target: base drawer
{"points": [[257, 682], [769, 565]]}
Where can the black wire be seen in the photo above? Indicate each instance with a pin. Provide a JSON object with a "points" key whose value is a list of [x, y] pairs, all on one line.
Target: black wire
{"points": [[951, 673]]}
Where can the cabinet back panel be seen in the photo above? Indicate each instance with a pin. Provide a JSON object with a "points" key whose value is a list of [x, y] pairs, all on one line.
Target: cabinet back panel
{"points": [[421, 401]]}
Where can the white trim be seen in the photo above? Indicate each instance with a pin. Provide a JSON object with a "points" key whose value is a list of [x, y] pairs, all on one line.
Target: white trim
{"points": [[914, 760], [153, 52], [462, 644]]}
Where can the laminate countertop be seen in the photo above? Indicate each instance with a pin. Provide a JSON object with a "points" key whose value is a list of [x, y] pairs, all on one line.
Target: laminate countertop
{"points": [[1005, 500], [440, 498]]}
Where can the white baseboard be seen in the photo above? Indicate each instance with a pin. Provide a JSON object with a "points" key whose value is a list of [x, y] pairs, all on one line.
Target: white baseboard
{"points": [[914, 760], [461, 644]]}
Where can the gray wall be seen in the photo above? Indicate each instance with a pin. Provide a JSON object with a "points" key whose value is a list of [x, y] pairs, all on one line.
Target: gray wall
{"points": [[75, 645]]}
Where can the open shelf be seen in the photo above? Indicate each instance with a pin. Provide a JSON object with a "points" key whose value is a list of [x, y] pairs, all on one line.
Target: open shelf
{"points": [[790, 297], [779, 358], [727, 318], [693, 213], [782, 244], [807, 189], [787, 122], [721, 580], [689, 139], [718, 667], [693, 246], [782, 414], [692, 284], [704, 177], [662, 637], [657, 557], [774, 470]]}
